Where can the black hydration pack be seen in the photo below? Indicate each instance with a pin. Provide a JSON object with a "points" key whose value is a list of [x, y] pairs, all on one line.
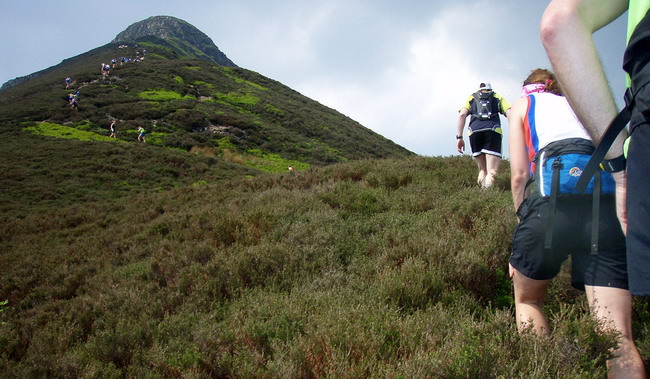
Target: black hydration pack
{"points": [[484, 105], [558, 167]]}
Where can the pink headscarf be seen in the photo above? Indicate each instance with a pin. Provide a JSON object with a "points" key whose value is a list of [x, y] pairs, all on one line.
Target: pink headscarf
{"points": [[535, 87], [532, 88]]}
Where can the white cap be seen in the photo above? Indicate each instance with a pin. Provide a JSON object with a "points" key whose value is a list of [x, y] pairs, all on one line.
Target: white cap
{"points": [[485, 86]]}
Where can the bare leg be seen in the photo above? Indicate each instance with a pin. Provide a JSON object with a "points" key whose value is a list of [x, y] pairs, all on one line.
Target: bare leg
{"points": [[482, 169], [613, 306], [529, 296], [492, 163]]}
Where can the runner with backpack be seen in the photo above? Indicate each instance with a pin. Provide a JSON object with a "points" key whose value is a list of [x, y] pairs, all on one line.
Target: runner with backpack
{"points": [[567, 34], [484, 131], [549, 149]]}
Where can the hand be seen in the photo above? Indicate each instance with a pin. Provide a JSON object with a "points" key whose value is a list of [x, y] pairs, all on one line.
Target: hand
{"points": [[460, 145], [621, 195], [511, 271]]}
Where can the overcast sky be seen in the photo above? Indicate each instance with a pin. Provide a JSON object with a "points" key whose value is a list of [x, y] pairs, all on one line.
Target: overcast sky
{"points": [[401, 68]]}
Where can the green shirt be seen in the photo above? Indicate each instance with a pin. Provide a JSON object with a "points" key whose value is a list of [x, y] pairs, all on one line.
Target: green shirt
{"points": [[635, 13], [636, 10]]}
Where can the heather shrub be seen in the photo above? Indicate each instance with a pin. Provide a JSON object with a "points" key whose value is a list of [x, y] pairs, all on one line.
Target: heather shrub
{"points": [[372, 268]]}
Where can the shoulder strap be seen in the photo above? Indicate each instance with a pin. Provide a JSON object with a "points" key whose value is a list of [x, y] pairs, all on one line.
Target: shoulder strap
{"points": [[555, 186], [595, 213], [613, 130]]}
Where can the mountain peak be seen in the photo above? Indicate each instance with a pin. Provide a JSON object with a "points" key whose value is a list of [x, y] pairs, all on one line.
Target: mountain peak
{"points": [[172, 28]]}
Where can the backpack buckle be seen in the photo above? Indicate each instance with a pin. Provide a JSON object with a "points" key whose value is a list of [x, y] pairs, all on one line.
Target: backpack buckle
{"points": [[557, 163], [628, 97]]}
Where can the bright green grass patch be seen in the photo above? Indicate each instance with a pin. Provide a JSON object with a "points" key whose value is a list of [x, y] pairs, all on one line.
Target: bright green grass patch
{"points": [[271, 109], [179, 79], [201, 82], [235, 98], [252, 84], [225, 143], [51, 129], [195, 68], [160, 95], [156, 138], [271, 162], [85, 125], [226, 70]]}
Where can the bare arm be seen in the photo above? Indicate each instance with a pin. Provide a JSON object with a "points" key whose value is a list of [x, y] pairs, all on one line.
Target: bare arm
{"points": [[519, 165], [566, 31], [462, 117]]}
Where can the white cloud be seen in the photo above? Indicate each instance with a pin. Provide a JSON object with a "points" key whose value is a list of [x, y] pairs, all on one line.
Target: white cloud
{"points": [[415, 99]]}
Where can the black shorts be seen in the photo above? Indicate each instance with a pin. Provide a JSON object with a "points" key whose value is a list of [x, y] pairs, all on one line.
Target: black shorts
{"points": [[571, 235], [485, 142], [638, 200]]}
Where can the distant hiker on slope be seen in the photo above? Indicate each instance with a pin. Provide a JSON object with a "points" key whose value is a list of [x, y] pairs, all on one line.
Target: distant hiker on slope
{"points": [[484, 130], [141, 132], [112, 129], [548, 143], [74, 100], [67, 82]]}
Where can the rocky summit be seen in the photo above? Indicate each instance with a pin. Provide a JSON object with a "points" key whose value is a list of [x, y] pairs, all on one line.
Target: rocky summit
{"points": [[176, 30]]}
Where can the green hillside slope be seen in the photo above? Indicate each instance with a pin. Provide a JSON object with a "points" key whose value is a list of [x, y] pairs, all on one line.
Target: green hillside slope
{"points": [[39, 173], [183, 102], [372, 268]]}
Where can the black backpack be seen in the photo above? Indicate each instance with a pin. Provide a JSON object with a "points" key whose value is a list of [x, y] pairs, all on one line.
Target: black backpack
{"points": [[484, 105]]}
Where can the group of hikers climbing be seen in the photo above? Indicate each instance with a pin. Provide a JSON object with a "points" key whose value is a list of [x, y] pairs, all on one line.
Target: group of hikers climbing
{"points": [[113, 132], [106, 68], [73, 97], [570, 197]]}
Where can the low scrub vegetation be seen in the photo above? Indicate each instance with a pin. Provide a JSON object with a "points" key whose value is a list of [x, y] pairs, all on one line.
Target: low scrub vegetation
{"points": [[372, 268]]}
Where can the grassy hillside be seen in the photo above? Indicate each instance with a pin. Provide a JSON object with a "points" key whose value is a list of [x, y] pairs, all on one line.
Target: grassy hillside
{"points": [[187, 103], [372, 268], [39, 173]]}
